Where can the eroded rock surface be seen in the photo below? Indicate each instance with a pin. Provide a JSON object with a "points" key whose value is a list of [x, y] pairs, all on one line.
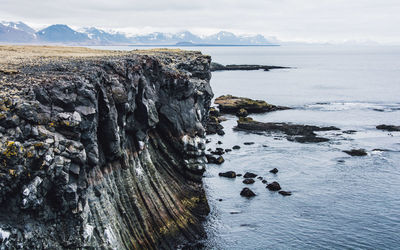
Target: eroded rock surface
{"points": [[102, 149]]}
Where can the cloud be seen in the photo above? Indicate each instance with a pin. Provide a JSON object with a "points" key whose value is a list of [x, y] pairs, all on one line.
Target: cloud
{"points": [[308, 20]]}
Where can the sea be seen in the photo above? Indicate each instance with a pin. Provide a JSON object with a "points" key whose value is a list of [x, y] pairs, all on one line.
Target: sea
{"points": [[338, 201]]}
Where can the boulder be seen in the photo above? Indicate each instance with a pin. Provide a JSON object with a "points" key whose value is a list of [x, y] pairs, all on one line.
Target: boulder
{"points": [[229, 174], [249, 175], [248, 181], [274, 171], [246, 192], [274, 186]]}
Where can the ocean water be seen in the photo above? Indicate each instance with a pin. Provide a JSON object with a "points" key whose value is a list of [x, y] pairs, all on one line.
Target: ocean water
{"points": [[338, 201]]}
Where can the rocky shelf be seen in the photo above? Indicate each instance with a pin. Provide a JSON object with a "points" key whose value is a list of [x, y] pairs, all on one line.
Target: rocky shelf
{"points": [[234, 104], [220, 67], [294, 132], [102, 149]]}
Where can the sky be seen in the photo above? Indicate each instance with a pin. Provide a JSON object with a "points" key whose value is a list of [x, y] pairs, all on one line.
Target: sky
{"points": [[288, 20]]}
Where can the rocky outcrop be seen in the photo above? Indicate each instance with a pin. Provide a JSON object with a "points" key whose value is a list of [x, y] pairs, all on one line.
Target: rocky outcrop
{"points": [[238, 105], [102, 149]]}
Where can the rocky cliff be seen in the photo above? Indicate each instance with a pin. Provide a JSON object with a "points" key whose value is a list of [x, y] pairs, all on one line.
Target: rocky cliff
{"points": [[102, 149]]}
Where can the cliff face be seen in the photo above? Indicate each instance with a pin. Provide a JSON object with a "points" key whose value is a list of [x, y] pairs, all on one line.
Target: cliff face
{"points": [[104, 150]]}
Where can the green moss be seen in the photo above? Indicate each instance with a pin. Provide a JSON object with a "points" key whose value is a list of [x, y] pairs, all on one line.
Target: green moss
{"points": [[245, 119]]}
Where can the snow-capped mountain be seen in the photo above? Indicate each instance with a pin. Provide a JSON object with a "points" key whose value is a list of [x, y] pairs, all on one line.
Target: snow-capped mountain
{"points": [[18, 32], [61, 33], [103, 37], [19, 26]]}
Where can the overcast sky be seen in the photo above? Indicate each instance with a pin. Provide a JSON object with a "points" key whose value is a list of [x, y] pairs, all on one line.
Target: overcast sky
{"points": [[301, 20]]}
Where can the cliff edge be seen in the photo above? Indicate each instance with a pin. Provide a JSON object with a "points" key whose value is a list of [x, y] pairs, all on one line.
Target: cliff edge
{"points": [[102, 149]]}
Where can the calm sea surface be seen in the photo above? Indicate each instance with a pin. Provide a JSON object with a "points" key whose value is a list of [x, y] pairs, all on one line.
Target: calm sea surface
{"points": [[338, 201]]}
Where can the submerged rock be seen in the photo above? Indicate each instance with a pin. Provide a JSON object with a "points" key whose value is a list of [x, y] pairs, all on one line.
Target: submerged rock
{"points": [[249, 175], [274, 186], [285, 193], [248, 181], [294, 132], [248, 143], [356, 152], [229, 174], [233, 104], [391, 128], [246, 192], [274, 171]]}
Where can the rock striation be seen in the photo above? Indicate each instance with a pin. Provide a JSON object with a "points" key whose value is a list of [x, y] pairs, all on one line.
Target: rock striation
{"points": [[102, 149]]}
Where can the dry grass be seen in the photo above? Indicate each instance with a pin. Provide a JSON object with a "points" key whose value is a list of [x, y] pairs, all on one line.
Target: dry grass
{"points": [[13, 57]]}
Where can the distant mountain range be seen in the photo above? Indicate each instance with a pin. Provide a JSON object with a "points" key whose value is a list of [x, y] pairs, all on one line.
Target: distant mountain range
{"points": [[20, 33]]}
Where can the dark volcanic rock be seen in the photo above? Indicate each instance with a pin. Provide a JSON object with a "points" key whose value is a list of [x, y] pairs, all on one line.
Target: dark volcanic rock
{"points": [[214, 127], [274, 171], [218, 151], [350, 132], [220, 67], [236, 147], [215, 160], [229, 174], [294, 132], [391, 128], [248, 143], [285, 193], [274, 186], [101, 149], [232, 104], [264, 181], [249, 175], [248, 181], [246, 192], [356, 152]]}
